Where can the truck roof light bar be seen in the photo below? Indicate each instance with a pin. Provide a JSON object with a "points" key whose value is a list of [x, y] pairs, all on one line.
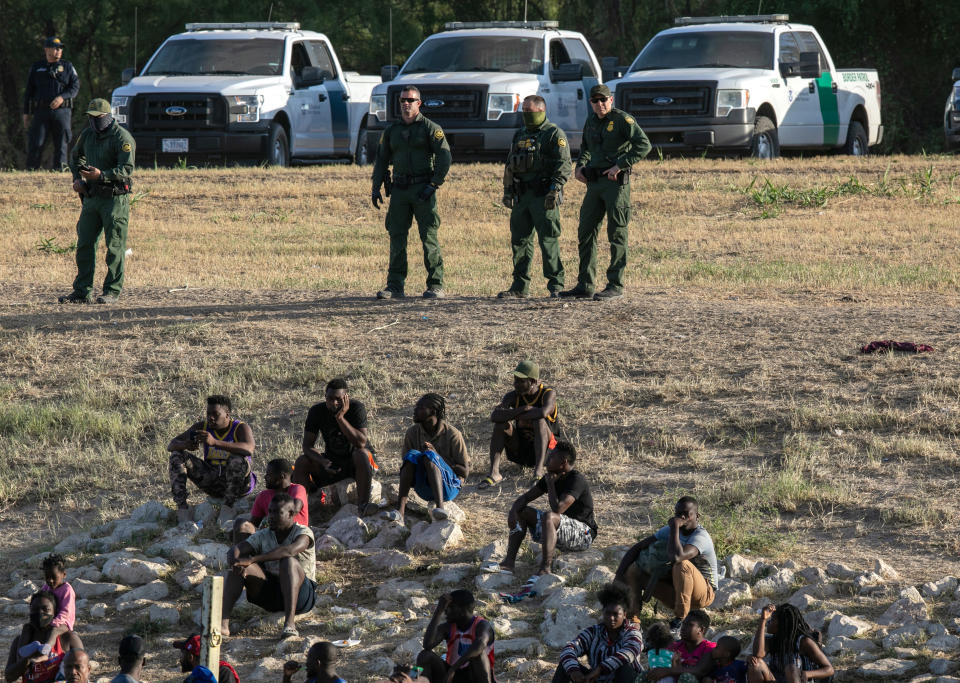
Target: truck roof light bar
{"points": [[246, 25], [734, 19], [535, 25]]}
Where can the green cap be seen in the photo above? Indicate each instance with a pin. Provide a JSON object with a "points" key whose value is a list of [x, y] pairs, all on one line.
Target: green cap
{"points": [[600, 91], [98, 107], [527, 369]]}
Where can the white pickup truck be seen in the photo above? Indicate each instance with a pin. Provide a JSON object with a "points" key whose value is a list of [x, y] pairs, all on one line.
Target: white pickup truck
{"points": [[473, 78], [261, 92], [951, 115], [748, 85]]}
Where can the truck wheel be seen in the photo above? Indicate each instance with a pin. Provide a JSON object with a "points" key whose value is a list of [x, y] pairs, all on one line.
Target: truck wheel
{"points": [[278, 148], [766, 144], [856, 140], [361, 156]]}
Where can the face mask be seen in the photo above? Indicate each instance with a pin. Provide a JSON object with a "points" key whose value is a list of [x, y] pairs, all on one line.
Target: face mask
{"points": [[100, 123], [534, 119], [40, 621]]}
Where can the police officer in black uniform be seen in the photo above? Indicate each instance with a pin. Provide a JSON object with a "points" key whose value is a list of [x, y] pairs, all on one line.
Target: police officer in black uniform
{"points": [[51, 87]]}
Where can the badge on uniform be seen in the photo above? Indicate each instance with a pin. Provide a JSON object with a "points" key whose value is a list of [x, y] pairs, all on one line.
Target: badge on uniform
{"points": [[439, 134], [629, 120], [562, 142], [610, 126], [126, 147], [60, 69]]}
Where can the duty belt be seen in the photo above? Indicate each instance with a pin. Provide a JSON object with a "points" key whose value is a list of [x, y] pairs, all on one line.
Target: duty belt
{"points": [[594, 174], [405, 181], [539, 187], [37, 104]]}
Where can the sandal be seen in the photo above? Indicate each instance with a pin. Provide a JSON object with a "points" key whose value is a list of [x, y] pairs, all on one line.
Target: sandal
{"points": [[495, 568], [488, 482], [289, 633]]}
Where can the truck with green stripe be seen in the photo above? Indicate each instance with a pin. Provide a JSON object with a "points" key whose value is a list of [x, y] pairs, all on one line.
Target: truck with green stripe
{"points": [[748, 85]]}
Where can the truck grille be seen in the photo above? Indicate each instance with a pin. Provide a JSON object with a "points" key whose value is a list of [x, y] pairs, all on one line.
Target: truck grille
{"points": [[667, 99], [160, 112], [444, 103]]}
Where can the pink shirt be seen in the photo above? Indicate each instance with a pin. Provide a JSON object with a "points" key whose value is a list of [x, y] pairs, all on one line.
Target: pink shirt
{"points": [[66, 604], [262, 503], [688, 658]]}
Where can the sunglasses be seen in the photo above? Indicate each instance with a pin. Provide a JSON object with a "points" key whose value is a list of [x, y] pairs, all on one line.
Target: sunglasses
{"points": [[597, 100], [409, 99]]}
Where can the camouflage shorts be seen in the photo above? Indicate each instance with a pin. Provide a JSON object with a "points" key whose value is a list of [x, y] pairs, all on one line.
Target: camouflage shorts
{"points": [[230, 481]]}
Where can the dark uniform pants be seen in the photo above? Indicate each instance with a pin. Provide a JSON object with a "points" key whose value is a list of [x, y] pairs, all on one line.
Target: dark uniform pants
{"points": [[603, 198], [230, 481], [404, 207], [53, 125], [529, 215], [110, 216]]}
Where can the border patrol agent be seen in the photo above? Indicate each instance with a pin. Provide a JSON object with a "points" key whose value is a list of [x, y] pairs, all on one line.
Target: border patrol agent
{"points": [[612, 144], [101, 162], [420, 155], [51, 86], [537, 169]]}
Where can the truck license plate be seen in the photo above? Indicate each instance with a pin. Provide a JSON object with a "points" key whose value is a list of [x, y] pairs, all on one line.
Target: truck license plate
{"points": [[174, 145]]}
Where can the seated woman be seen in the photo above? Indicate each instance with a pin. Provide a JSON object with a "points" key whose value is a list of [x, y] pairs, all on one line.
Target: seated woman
{"points": [[613, 648], [30, 658], [785, 649]]}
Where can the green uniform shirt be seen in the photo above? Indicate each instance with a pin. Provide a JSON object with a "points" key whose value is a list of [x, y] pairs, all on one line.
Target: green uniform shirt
{"points": [[541, 153], [418, 148], [112, 151], [614, 139]]}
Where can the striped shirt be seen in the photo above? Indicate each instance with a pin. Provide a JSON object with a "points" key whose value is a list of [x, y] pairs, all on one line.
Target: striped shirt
{"points": [[600, 651]]}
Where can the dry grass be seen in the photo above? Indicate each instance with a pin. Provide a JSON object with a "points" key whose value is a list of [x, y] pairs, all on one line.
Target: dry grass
{"points": [[729, 370]]}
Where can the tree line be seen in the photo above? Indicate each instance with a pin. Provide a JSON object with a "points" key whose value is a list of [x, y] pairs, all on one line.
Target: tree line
{"points": [[910, 43]]}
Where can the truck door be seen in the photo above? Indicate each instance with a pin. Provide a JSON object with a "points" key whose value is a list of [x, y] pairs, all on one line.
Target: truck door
{"points": [[304, 105], [826, 90], [811, 119], [562, 102], [578, 53], [332, 120]]}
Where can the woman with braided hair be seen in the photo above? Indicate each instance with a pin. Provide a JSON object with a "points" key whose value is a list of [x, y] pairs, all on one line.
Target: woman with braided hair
{"points": [[785, 649], [435, 460]]}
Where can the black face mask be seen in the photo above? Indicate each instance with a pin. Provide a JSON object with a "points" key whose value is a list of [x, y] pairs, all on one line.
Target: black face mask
{"points": [[40, 621], [100, 123]]}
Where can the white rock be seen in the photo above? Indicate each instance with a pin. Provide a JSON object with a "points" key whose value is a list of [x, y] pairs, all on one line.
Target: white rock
{"points": [[535, 666], [389, 560], [740, 567], [99, 610], [778, 583], [164, 613], [392, 535], [841, 571], [326, 542], [72, 543], [505, 627], [547, 584], [943, 643], [452, 573], [818, 619], [909, 608], [563, 625], [398, 590], [866, 580], [454, 511], [87, 571], [886, 668], [135, 572], [521, 646], [935, 589], [23, 590], [842, 625], [841, 644], [599, 574], [131, 605], [190, 575], [493, 552], [89, 589], [492, 582], [905, 635], [417, 603], [939, 666], [438, 536], [268, 669], [151, 511], [174, 539], [566, 597], [206, 512], [813, 575], [347, 491], [885, 570], [155, 590], [411, 647], [351, 531], [381, 666], [210, 555], [731, 593]]}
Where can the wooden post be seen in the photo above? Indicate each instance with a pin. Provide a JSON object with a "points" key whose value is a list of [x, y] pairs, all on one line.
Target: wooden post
{"points": [[212, 604]]}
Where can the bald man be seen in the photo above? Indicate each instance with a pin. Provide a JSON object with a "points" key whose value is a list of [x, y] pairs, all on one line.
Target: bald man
{"points": [[76, 666]]}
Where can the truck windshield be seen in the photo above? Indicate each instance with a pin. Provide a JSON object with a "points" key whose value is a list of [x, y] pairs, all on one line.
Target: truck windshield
{"points": [[512, 54], [195, 57], [692, 50]]}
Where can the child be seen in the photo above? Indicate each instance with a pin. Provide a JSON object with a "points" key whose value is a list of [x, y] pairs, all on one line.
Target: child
{"points": [[659, 639], [321, 665], [56, 582], [727, 668]]}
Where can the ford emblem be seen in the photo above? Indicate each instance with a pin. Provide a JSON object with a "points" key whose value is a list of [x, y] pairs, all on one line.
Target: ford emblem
{"points": [[434, 103], [175, 111], [662, 101]]}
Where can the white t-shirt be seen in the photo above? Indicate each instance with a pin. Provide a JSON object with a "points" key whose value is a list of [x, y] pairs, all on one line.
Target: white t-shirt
{"points": [[265, 540]]}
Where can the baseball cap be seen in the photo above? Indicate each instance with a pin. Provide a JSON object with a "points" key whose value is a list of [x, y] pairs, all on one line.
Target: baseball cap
{"points": [[600, 91], [191, 644], [52, 41], [98, 107], [132, 646], [527, 369]]}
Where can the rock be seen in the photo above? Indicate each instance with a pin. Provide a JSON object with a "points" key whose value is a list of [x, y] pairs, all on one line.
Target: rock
{"points": [[88, 572], [519, 646], [803, 601], [813, 575], [389, 560], [381, 666], [123, 532], [493, 552], [174, 539], [818, 591], [153, 591], [547, 584], [905, 635], [89, 589], [347, 491], [935, 589], [392, 535], [411, 647], [151, 511], [99, 610], [909, 608], [164, 613], [943, 643], [818, 619], [566, 597], [534, 666], [953, 610], [190, 575], [454, 511], [398, 590], [731, 593], [563, 625], [437, 536], [508, 627], [72, 543], [345, 512], [599, 575], [939, 666], [351, 531], [268, 669], [740, 567], [210, 555], [205, 513], [417, 603], [886, 668], [584, 558], [101, 559], [841, 644], [492, 582], [452, 573], [23, 590], [885, 570], [866, 580], [133, 571], [379, 618], [842, 625], [778, 583], [326, 542], [840, 571]]}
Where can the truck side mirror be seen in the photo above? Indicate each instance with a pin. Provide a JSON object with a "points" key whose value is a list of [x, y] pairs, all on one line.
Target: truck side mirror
{"points": [[610, 68], [956, 74], [127, 75], [810, 66], [789, 69], [313, 75], [389, 72], [567, 72]]}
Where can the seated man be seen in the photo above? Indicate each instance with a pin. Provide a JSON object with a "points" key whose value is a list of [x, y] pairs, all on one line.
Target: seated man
{"points": [[132, 657], [76, 666], [568, 524], [469, 641], [435, 460], [190, 649], [347, 454], [226, 468], [30, 657], [276, 480], [321, 665], [276, 565], [525, 424], [692, 576]]}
